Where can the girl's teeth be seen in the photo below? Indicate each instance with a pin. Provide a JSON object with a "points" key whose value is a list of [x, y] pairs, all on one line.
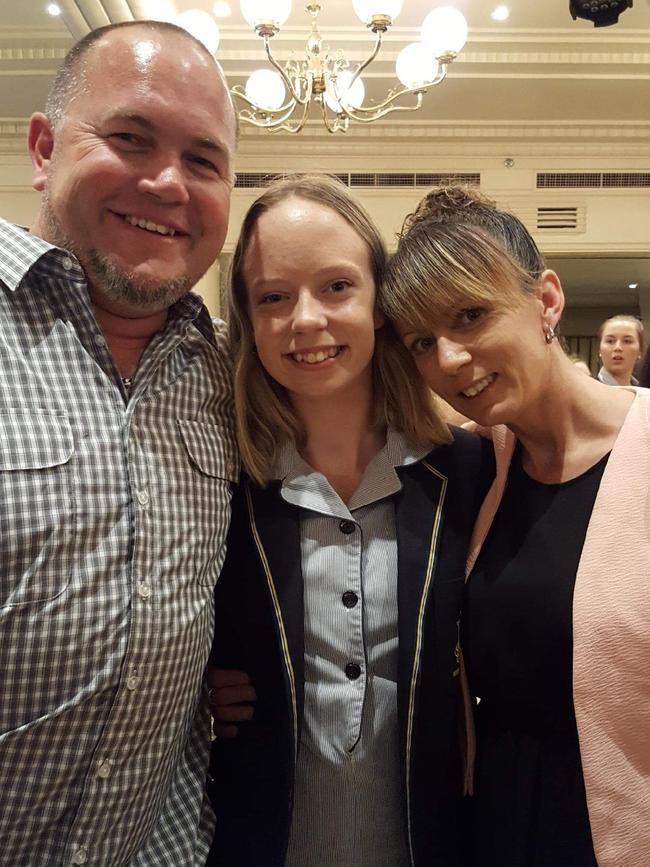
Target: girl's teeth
{"points": [[316, 357]]}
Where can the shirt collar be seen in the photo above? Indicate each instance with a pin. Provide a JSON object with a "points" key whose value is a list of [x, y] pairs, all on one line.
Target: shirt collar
{"points": [[22, 252], [303, 486], [606, 377]]}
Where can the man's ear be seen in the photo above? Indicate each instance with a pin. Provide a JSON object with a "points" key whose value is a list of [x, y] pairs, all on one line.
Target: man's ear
{"points": [[551, 296], [40, 140]]}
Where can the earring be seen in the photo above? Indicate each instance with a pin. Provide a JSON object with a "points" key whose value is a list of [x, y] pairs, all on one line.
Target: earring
{"points": [[549, 334]]}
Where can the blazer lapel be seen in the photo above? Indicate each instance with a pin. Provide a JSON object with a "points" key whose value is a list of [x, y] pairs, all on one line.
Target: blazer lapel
{"points": [[276, 527]]}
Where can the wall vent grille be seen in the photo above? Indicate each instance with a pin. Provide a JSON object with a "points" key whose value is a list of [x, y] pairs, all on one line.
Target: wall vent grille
{"points": [[380, 180], [592, 180], [561, 217], [558, 219]]}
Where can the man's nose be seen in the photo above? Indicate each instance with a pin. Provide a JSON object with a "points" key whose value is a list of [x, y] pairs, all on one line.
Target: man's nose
{"points": [[451, 355], [166, 182]]}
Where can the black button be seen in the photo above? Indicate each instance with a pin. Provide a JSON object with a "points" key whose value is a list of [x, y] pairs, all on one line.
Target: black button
{"points": [[352, 670], [347, 527], [350, 599]]}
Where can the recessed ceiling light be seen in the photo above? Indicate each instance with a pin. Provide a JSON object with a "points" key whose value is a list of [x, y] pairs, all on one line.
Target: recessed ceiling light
{"points": [[632, 285], [501, 13], [221, 9], [53, 9]]}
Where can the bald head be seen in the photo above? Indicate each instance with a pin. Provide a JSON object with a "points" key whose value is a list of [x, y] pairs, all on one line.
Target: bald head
{"points": [[71, 78], [136, 163]]}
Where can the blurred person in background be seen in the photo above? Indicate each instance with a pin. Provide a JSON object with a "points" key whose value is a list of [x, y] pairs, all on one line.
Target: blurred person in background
{"points": [[621, 347]]}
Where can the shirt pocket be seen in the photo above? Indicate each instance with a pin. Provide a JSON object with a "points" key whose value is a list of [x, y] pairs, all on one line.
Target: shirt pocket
{"points": [[37, 505], [213, 458]]}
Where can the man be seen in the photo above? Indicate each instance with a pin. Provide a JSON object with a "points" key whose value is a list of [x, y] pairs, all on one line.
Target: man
{"points": [[116, 450]]}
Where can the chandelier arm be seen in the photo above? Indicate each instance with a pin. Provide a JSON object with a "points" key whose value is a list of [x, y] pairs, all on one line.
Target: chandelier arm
{"points": [[387, 106], [367, 61], [339, 125], [301, 100], [292, 128], [238, 92], [382, 110]]}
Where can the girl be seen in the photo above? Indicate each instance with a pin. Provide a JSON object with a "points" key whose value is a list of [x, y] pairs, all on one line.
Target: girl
{"points": [[341, 593]]}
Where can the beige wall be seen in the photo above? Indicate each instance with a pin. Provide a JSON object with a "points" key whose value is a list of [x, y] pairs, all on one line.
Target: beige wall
{"points": [[617, 222]]}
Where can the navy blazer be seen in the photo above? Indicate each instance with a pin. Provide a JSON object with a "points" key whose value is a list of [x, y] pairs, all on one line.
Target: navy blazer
{"points": [[259, 629]]}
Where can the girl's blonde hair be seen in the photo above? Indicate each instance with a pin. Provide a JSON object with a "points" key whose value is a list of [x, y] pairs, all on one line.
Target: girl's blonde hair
{"points": [[265, 417], [456, 250]]}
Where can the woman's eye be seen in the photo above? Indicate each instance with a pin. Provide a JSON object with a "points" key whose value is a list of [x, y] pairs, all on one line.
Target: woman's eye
{"points": [[471, 314], [421, 345]]}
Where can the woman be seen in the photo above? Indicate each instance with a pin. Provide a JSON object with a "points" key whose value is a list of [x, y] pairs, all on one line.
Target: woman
{"points": [[341, 592], [556, 623], [621, 346]]}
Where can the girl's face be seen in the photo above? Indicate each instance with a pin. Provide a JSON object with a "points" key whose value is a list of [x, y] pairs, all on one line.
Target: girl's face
{"points": [[620, 348], [489, 362], [311, 301]]}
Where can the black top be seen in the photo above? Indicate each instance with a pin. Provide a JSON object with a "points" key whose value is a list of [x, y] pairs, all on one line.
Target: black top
{"points": [[530, 806]]}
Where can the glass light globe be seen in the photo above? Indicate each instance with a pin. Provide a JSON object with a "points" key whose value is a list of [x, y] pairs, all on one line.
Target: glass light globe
{"points": [[353, 96], [444, 31], [365, 9], [159, 10], [265, 88], [202, 26], [416, 65], [255, 11]]}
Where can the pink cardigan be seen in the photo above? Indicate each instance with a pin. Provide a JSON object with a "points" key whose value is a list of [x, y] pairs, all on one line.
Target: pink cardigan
{"points": [[611, 640]]}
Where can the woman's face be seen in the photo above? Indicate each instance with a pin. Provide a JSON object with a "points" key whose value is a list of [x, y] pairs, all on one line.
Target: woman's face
{"points": [[311, 301], [620, 348], [489, 362]]}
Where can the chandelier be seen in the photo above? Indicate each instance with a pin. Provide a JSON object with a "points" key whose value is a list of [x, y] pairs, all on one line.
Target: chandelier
{"points": [[279, 99]]}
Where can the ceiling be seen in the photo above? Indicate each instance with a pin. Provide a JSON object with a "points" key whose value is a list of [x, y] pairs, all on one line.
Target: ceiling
{"points": [[540, 67], [540, 76]]}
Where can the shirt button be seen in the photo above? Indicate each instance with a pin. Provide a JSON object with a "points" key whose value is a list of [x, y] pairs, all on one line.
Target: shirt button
{"points": [[143, 498], [80, 856], [144, 589], [100, 340], [352, 670], [347, 527], [350, 599], [68, 264], [132, 679], [104, 771]]}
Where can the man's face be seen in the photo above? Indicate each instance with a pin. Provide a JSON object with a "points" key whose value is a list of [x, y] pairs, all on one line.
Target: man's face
{"points": [[138, 179]]}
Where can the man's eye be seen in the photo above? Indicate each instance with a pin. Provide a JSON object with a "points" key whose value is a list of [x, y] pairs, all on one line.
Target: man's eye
{"points": [[127, 138], [203, 163]]}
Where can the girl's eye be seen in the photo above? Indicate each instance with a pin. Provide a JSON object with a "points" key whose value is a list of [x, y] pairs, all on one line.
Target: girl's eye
{"points": [[338, 286], [421, 345], [270, 298]]}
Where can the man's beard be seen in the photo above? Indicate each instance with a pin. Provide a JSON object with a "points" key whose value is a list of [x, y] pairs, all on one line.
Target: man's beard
{"points": [[111, 281]]}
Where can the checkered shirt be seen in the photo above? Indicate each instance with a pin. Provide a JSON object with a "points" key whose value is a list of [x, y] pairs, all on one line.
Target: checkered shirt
{"points": [[113, 518]]}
